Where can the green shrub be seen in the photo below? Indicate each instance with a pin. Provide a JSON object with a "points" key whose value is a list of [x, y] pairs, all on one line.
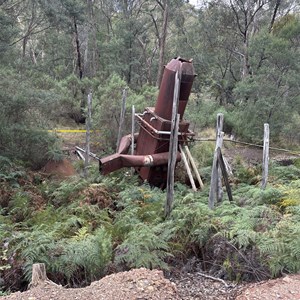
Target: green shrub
{"points": [[145, 246]]}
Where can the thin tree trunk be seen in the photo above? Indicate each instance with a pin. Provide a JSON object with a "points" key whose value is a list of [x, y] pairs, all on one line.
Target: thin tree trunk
{"points": [[162, 44], [79, 62]]}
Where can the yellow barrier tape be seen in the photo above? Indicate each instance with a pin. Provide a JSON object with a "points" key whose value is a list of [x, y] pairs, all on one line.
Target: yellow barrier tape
{"points": [[71, 130]]}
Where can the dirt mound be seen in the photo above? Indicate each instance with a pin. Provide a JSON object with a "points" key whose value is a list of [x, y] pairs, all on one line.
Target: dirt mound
{"points": [[131, 285], [286, 288], [61, 169], [144, 284]]}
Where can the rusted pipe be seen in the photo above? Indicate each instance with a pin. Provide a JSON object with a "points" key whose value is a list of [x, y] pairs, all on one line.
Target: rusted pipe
{"points": [[117, 161], [189, 133], [164, 102]]}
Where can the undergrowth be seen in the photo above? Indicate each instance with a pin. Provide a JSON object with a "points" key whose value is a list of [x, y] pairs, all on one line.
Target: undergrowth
{"points": [[85, 229]]}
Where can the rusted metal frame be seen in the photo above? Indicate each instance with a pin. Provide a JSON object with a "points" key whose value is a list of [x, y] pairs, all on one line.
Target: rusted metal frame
{"points": [[117, 161], [182, 140], [190, 133]]}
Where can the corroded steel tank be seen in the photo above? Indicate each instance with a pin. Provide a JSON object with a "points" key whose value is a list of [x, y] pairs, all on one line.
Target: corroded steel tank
{"points": [[150, 158]]}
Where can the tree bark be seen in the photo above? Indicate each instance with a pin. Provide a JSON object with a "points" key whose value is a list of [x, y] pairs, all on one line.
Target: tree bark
{"points": [[38, 275], [162, 42]]}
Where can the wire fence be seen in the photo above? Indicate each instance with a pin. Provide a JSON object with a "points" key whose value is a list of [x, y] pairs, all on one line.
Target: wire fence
{"points": [[248, 144]]}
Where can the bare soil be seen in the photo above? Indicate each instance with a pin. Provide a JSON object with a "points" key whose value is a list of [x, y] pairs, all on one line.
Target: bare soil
{"points": [[60, 169], [143, 284]]}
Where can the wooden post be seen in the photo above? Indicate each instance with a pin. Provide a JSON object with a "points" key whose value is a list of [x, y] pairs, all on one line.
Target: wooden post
{"points": [[132, 134], [215, 191], [265, 166], [188, 170], [219, 181], [132, 130], [173, 148], [224, 173], [88, 135], [122, 117]]}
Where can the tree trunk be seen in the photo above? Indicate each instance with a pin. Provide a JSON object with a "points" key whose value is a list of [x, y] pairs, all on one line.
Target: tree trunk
{"points": [[38, 275], [162, 44], [78, 53]]}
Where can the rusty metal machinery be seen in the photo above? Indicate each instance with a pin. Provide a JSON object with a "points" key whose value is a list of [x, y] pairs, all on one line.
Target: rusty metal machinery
{"points": [[151, 154]]}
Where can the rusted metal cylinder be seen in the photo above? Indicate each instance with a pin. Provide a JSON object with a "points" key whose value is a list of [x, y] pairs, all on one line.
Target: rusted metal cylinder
{"points": [[117, 161], [163, 107]]}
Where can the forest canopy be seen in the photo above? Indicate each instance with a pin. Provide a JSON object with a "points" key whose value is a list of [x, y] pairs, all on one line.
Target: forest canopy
{"points": [[52, 53]]}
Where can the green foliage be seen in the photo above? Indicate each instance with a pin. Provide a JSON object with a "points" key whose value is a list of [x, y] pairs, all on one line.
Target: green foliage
{"points": [[291, 195], [284, 174], [281, 245], [191, 221], [145, 246], [88, 251], [23, 117], [203, 153], [67, 190], [19, 207], [263, 96]]}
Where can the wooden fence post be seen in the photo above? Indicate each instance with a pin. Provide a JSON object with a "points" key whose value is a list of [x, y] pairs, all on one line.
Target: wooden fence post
{"points": [[132, 134], [122, 117], [88, 135], [173, 148], [265, 165], [215, 191]]}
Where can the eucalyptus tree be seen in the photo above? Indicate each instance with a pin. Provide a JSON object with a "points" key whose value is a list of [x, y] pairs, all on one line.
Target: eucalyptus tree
{"points": [[272, 94]]}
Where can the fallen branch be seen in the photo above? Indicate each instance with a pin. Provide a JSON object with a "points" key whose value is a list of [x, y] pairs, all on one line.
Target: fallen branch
{"points": [[216, 279]]}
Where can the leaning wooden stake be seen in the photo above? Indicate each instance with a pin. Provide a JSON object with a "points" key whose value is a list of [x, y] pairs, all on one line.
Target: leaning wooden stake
{"points": [[192, 161], [188, 169], [88, 135], [224, 173], [265, 165]]}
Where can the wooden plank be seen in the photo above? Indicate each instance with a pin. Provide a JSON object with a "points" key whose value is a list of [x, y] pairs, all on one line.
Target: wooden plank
{"points": [[265, 165], [132, 134], [194, 167], [122, 117], [224, 173], [188, 169], [88, 135]]}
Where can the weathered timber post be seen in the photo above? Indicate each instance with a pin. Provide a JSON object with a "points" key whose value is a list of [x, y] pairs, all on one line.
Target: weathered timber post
{"points": [[215, 191], [173, 148], [265, 165], [122, 117], [132, 134], [38, 275], [224, 173], [88, 135]]}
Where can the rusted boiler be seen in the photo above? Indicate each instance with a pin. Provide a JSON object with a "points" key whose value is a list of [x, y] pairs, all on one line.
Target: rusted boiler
{"points": [[151, 154]]}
